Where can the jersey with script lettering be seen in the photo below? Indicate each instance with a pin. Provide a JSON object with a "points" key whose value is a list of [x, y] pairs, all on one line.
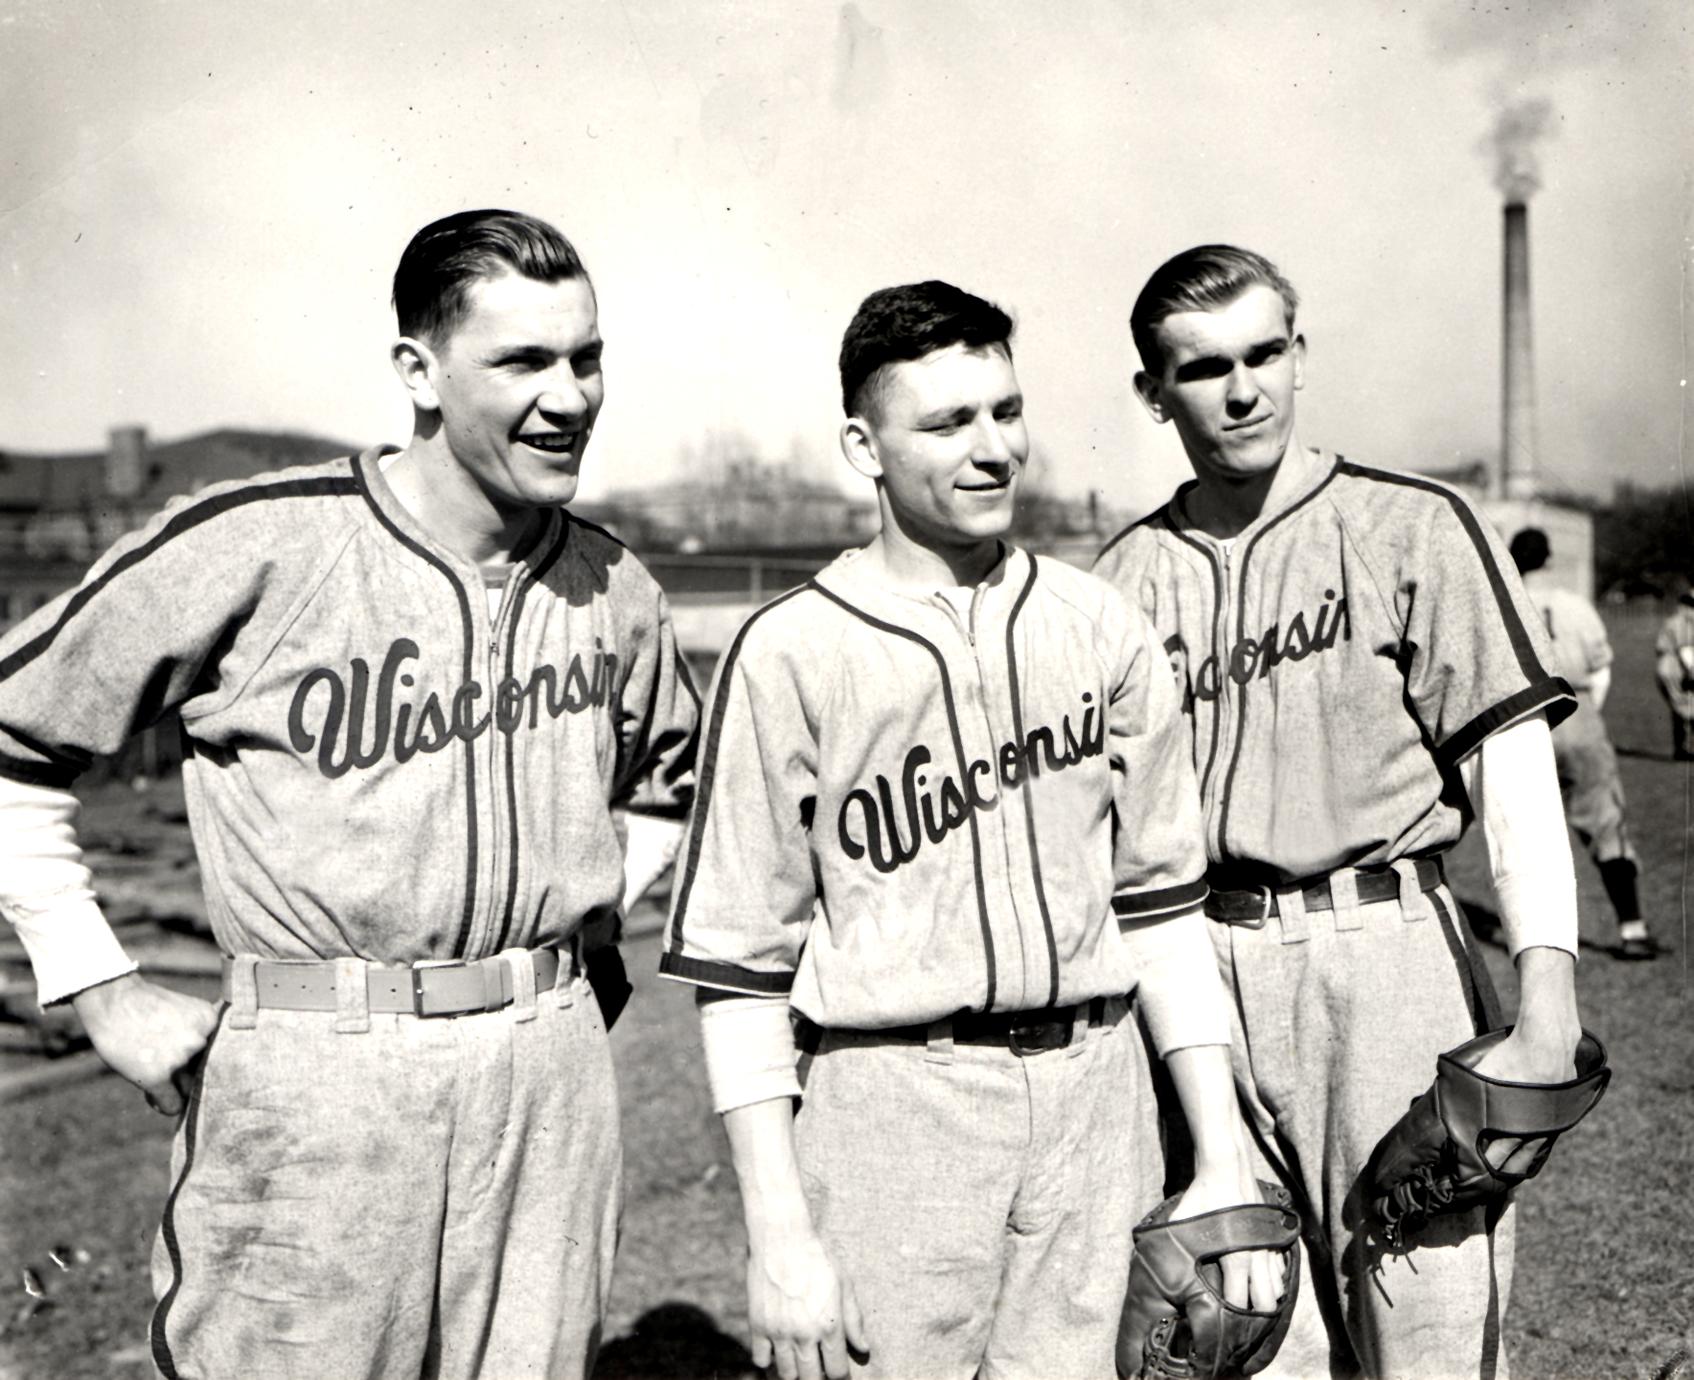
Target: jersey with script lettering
{"points": [[907, 811], [376, 765], [1338, 659]]}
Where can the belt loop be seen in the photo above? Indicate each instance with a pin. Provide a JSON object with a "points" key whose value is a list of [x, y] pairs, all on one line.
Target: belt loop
{"points": [[352, 997], [1414, 904], [939, 1049], [521, 964], [1344, 899], [1079, 1028], [565, 982], [241, 977], [1291, 914]]}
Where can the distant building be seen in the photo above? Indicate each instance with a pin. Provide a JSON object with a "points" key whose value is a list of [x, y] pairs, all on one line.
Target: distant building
{"points": [[59, 512]]}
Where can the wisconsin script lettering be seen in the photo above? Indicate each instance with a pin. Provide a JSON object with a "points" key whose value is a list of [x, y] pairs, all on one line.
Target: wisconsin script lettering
{"points": [[1259, 656], [933, 809], [346, 737]]}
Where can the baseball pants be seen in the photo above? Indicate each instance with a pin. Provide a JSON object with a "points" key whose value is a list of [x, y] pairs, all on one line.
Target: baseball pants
{"points": [[981, 1203], [400, 1197], [1339, 1016], [1588, 779]]}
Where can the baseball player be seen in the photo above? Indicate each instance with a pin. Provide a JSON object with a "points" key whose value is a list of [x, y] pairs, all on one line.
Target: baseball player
{"points": [[413, 688], [946, 821], [1361, 672], [1674, 667], [1582, 750]]}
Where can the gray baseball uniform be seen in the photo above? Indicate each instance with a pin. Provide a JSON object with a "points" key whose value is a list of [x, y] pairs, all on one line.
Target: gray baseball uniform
{"points": [[1338, 659], [911, 816], [380, 771]]}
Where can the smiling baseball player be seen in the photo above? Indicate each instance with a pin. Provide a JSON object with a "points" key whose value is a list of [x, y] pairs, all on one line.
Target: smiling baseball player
{"points": [[1361, 672], [947, 820], [412, 688]]}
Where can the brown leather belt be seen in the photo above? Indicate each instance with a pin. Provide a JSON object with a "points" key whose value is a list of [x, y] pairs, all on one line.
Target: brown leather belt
{"points": [[1251, 908], [1023, 1032], [449, 988]]}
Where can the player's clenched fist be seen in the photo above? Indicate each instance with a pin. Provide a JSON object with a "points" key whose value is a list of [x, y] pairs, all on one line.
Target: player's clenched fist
{"points": [[802, 1312], [149, 1034]]}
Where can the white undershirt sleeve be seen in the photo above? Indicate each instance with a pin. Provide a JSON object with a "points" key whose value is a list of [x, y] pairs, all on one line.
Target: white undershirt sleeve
{"points": [[45, 893], [750, 1051], [1181, 994], [1514, 790]]}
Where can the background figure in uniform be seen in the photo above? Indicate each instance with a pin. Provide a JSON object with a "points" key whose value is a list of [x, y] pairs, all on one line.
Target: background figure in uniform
{"points": [[946, 822], [1582, 749], [1356, 657], [1674, 666], [413, 688]]}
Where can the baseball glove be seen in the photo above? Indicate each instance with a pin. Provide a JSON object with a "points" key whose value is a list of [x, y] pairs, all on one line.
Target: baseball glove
{"points": [[1434, 1160], [1176, 1321]]}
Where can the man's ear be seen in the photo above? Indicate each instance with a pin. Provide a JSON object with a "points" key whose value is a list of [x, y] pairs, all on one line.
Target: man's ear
{"points": [[858, 444], [1299, 348], [1152, 395], [415, 363]]}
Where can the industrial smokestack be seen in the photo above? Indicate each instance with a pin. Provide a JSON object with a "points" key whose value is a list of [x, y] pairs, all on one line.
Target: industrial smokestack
{"points": [[1517, 383], [126, 451], [1517, 173]]}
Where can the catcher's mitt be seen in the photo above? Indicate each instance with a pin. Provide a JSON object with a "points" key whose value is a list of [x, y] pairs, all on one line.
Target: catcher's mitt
{"points": [[1434, 1160], [1176, 1321]]}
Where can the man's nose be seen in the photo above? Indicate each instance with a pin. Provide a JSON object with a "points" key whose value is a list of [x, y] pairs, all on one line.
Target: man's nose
{"points": [[563, 395], [992, 445], [1243, 390]]}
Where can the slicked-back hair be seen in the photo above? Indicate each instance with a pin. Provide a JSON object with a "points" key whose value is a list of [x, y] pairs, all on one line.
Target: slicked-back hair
{"points": [[895, 324], [433, 282], [1204, 278]]}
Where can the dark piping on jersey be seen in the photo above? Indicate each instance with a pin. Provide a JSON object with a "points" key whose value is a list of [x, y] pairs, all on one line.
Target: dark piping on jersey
{"points": [[1240, 635], [708, 776], [964, 769], [1217, 612], [1029, 796], [519, 595], [468, 914], [66, 768]]}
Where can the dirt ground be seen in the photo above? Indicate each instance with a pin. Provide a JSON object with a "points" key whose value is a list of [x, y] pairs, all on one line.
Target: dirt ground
{"points": [[1605, 1273]]}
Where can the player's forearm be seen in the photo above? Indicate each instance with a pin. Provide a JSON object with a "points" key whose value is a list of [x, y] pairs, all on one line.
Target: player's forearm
{"points": [[1205, 1086], [1514, 791], [650, 847], [1547, 1013], [761, 1144]]}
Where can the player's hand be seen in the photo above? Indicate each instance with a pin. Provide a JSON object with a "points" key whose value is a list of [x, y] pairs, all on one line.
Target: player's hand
{"points": [[1251, 1279], [149, 1034], [802, 1310], [1530, 1054]]}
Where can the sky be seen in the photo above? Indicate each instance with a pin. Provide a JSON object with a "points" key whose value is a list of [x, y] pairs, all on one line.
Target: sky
{"points": [[201, 204]]}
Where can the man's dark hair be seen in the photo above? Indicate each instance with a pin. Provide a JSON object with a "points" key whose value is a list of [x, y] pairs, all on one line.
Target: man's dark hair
{"points": [[900, 323], [1530, 549], [1204, 278], [433, 282]]}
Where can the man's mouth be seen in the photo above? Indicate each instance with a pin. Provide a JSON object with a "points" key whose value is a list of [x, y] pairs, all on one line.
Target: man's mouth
{"points": [[553, 442]]}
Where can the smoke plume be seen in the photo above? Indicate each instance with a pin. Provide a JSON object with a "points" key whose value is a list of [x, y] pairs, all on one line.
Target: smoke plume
{"points": [[1518, 127]]}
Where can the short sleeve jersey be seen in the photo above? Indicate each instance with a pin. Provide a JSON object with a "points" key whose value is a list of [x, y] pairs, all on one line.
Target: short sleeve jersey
{"points": [[1337, 661], [906, 811], [378, 764]]}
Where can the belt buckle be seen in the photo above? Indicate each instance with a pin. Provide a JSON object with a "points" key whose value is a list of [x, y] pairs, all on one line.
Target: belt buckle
{"points": [[420, 994], [1259, 921], [1037, 1037]]}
